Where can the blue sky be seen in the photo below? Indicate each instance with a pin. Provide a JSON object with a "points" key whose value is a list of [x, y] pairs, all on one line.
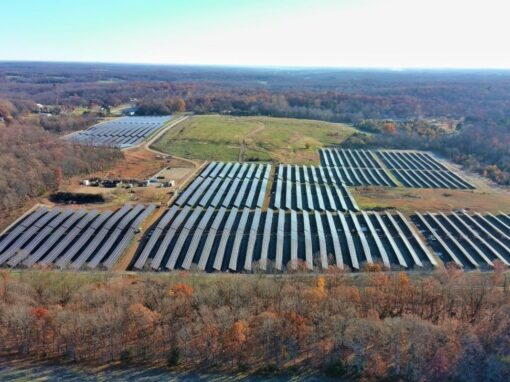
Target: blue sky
{"points": [[330, 33]]}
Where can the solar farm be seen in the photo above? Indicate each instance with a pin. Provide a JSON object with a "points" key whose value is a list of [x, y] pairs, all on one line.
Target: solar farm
{"points": [[243, 217], [121, 132]]}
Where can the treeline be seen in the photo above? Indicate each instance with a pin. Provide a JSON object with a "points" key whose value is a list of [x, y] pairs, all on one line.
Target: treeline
{"points": [[448, 326], [33, 162]]}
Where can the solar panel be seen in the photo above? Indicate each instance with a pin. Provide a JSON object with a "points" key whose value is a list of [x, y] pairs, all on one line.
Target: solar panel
{"points": [[252, 239], [121, 246], [416, 238], [195, 240], [83, 239], [167, 239], [322, 241], [466, 239], [350, 241], [183, 236], [453, 240], [211, 236], [220, 254], [266, 238], [308, 241], [293, 239], [237, 239], [142, 259], [110, 241], [378, 242], [336, 240], [478, 237], [280, 237], [361, 235], [439, 239]]}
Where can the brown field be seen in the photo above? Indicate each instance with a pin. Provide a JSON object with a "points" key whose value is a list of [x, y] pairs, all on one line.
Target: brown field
{"points": [[408, 200]]}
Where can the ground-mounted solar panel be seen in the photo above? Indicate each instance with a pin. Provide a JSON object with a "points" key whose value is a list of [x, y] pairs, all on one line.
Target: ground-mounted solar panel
{"points": [[322, 240], [367, 253], [122, 132], [167, 239], [377, 239], [181, 239], [225, 236], [208, 195], [71, 236], [195, 240], [82, 241], [207, 170], [337, 248], [183, 197], [38, 239], [266, 239], [156, 234], [393, 244], [121, 246], [439, 239], [307, 231], [472, 262], [240, 194], [459, 233], [114, 235], [23, 225], [350, 241], [477, 236], [252, 239], [52, 240], [225, 170], [28, 234], [211, 238], [239, 236], [199, 192]]}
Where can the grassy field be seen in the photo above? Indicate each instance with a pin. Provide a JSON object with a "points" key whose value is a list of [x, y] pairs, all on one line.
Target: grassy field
{"points": [[226, 138]]}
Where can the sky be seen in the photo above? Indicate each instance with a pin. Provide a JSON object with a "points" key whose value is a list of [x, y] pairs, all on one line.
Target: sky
{"points": [[288, 33]]}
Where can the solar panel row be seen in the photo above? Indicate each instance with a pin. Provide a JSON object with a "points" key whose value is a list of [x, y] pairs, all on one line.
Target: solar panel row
{"points": [[306, 196], [227, 185], [71, 237], [354, 167], [235, 239], [420, 170], [469, 241]]}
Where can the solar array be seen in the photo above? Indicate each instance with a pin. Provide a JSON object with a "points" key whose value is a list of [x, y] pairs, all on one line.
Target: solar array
{"points": [[71, 238], [233, 240], [228, 185], [121, 132], [469, 241], [354, 167], [420, 170], [310, 188]]}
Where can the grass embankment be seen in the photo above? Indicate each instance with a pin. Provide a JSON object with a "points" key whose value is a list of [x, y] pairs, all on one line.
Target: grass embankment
{"points": [[226, 138]]}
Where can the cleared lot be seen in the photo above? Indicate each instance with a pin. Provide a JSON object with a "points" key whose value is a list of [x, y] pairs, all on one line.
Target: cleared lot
{"points": [[226, 138]]}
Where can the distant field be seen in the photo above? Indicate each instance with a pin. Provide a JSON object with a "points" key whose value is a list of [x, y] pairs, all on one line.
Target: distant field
{"points": [[225, 138]]}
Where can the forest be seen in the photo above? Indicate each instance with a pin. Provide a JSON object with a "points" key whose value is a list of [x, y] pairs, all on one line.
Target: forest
{"points": [[34, 162], [378, 326]]}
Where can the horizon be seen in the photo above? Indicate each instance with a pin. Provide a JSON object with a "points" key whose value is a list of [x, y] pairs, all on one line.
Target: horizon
{"points": [[347, 34]]}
